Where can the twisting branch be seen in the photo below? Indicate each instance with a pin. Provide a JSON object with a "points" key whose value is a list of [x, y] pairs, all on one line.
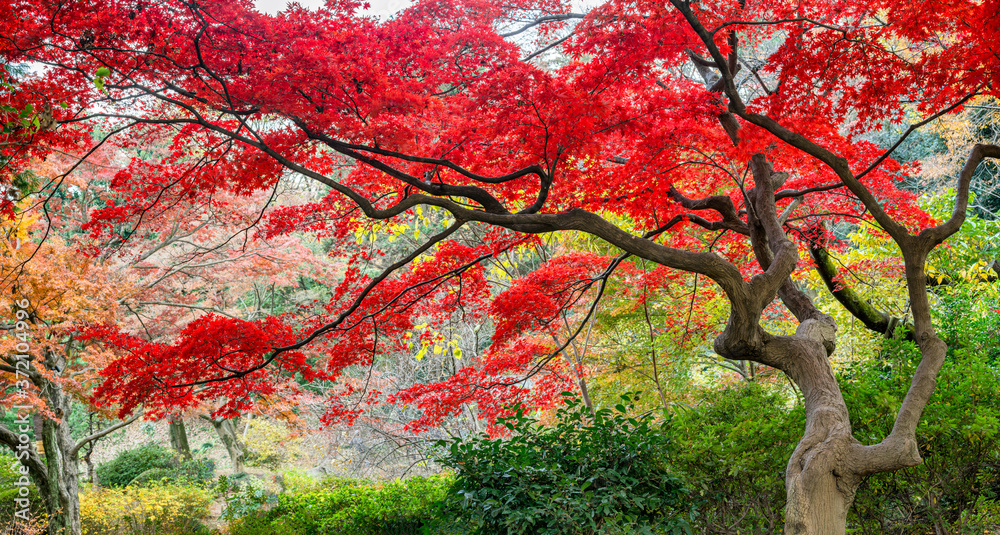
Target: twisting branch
{"points": [[37, 468], [721, 204], [941, 232], [103, 432], [871, 317]]}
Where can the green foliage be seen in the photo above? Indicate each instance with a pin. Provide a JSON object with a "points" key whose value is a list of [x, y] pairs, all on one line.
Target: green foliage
{"points": [[404, 506], [732, 449], [244, 495], [297, 481], [151, 463], [959, 478], [591, 472], [129, 464], [196, 470], [969, 319], [9, 474]]}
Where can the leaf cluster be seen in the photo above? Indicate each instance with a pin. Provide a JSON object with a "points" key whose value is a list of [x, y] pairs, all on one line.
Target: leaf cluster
{"points": [[590, 472], [152, 463], [352, 506]]}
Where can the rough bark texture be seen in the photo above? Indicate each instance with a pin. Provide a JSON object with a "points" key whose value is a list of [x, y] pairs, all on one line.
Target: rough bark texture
{"points": [[63, 499], [178, 437], [230, 438], [57, 473]]}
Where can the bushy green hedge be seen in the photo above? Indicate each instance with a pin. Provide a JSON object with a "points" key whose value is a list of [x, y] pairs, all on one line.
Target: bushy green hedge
{"points": [[150, 463], [590, 473], [732, 448], [404, 507]]}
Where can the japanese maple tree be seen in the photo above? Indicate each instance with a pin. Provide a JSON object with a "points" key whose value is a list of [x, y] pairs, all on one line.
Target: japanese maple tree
{"points": [[712, 137]]}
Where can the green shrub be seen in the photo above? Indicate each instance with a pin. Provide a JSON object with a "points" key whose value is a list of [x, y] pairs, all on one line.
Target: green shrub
{"points": [[245, 496], [297, 481], [958, 440], [9, 491], [151, 463], [591, 472], [129, 464], [732, 448], [403, 507]]}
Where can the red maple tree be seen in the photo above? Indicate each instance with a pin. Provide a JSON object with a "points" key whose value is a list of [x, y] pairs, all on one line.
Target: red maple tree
{"points": [[658, 128]]}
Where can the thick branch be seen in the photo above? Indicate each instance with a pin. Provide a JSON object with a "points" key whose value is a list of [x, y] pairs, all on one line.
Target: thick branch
{"points": [[871, 317], [779, 267], [941, 232], [110, 429], [722, 204]]}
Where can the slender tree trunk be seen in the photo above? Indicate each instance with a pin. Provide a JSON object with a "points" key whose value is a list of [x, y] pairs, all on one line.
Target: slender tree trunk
{"points": [[178, 437], [89, 461], [230, 437], [585, 392]]}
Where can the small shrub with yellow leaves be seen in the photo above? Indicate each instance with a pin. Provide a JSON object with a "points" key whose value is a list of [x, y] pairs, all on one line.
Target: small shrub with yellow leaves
{"points": [[156, 509], [268, 444]]}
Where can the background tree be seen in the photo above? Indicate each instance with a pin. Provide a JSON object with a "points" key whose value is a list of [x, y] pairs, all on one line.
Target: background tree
{"points": [[61, 290]]}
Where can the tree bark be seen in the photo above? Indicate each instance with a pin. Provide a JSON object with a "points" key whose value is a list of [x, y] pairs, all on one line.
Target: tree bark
{"points": [[178, 437], [821, 479], [62, 501], [230, 438]]}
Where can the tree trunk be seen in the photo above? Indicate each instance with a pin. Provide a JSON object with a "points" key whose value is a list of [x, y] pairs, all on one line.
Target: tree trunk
{"points": [[823, 473], [89, 461], [819, 497], [62, 501], [178, 437], [231, 439]]}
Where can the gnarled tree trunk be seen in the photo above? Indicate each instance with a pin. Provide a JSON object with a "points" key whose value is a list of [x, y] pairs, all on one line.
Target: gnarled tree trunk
{"points": [[63, 498], [820, 480]]}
